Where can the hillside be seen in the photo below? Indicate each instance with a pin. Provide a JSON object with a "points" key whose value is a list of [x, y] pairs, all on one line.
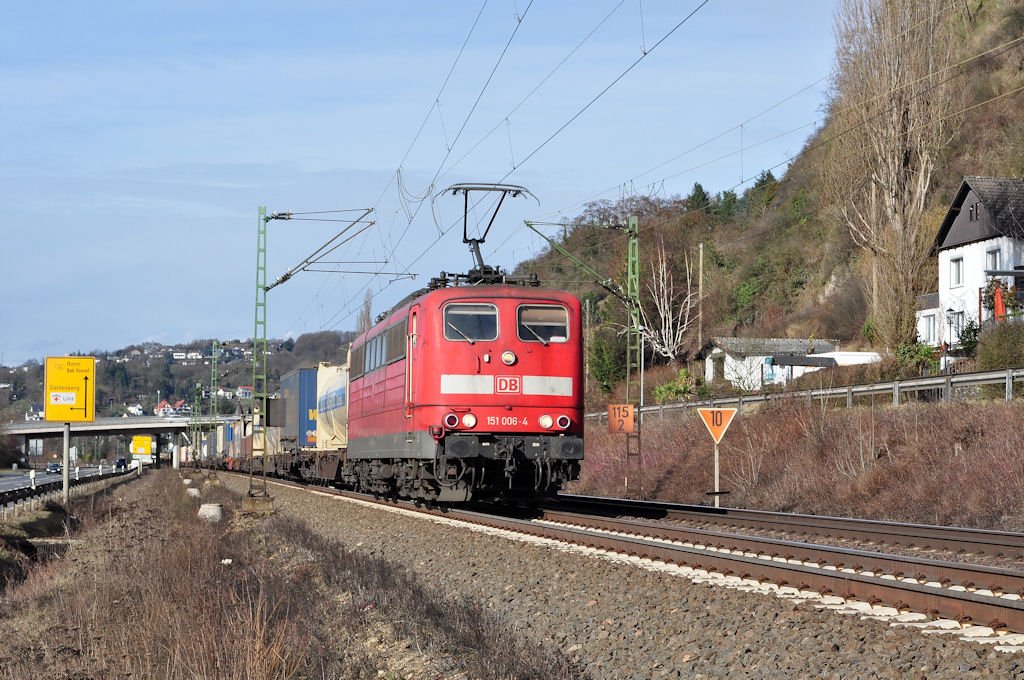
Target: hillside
{"points": [[779, 261], [142, 374]]}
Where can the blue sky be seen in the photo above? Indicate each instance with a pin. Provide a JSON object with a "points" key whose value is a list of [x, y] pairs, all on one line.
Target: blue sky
{"points": [[137, 141]]}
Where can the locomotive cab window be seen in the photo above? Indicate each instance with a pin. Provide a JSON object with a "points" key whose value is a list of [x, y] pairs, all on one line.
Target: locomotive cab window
{"points": [[543, 323], [470, 322]]}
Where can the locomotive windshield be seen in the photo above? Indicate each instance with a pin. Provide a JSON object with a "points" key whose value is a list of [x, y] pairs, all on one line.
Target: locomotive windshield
{"points": [[543, 323], [470, 322]]}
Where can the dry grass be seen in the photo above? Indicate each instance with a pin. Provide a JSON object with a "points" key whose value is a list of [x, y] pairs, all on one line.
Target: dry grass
{"points": [[151, 591], [954, 464]]}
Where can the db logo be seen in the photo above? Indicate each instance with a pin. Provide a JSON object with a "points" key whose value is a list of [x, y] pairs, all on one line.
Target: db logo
{"points": [[508, 384]]}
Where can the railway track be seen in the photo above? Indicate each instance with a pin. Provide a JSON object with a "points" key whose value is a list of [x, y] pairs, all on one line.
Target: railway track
{"points": [[971, 594], [921, 537]]}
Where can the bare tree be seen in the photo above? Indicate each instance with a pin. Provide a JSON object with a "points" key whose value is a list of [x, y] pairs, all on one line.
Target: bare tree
{"points": [[365, 313], [665, 327], [891, 117]]}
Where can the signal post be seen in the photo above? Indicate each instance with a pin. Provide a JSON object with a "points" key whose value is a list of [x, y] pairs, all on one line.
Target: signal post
{"points": [[717, 421], [622, 419]]}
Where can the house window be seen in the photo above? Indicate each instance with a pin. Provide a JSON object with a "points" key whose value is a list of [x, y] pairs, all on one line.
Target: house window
{"points": [[928, 334], [958, 325], [956, 272], [992, 260]]}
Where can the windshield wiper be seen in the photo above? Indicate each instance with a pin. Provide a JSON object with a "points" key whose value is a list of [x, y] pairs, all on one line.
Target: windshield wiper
{"points": [[534, 333], [457, 330]]}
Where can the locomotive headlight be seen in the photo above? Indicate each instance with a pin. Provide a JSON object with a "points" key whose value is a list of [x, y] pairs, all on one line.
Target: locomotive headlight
{"points": [[469, 420], [546, 421], [508, 357], [451, 420], [563, 422]]}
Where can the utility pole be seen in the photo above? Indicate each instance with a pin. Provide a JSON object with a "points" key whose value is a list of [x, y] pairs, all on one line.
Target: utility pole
{"points": [[213, 404], [257, 499], [700, 298], [634, 346]]}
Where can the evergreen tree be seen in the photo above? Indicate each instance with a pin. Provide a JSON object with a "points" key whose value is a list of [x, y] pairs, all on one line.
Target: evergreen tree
{"points": [[698, 198]]}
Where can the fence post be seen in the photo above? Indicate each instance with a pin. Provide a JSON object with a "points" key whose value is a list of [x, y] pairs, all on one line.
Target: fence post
{"points": [[895, 392], [1009, 384], [739, 404], [849, 396], [947, 394]]}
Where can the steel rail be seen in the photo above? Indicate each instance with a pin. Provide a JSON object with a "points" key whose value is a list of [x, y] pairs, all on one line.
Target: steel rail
{"points": [[996, 612], [944, 573], [921, 536]]}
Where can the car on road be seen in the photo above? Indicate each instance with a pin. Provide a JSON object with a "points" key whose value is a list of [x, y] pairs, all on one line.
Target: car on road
{"points": [[120, 464], [54, 468]]}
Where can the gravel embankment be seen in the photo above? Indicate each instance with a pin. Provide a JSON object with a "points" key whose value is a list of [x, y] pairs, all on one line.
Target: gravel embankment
{"points": [[620, 621]]}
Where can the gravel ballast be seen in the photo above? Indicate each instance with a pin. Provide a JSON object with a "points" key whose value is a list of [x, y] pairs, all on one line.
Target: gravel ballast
{"points": [[621, 621]]}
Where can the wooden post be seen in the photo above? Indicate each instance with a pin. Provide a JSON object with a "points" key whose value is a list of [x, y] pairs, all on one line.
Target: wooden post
{"points": [[717, 488]]}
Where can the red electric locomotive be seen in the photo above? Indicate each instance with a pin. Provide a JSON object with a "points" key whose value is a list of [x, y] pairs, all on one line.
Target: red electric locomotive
{"points": [[469, 389], [466, 392]]}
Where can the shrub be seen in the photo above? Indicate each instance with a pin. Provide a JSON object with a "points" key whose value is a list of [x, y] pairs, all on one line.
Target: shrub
{"points": [[1001, 346], [918, 357], [684, 386], [968, 338]]}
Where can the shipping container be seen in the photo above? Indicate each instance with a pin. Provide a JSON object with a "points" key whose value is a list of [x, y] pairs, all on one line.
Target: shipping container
{"points": [[298, 389], [331, 406]]}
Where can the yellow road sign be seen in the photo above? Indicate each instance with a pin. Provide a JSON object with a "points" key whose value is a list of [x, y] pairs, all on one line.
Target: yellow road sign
{"points": [[69, 389], [142, 445]]}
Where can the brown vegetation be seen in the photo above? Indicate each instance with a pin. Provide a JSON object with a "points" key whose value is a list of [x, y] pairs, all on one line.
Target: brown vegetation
{"points": [[150, 591], [955, 464]]}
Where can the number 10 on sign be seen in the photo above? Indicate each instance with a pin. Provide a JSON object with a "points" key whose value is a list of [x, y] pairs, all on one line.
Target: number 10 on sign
{"points": [[717, 421]]}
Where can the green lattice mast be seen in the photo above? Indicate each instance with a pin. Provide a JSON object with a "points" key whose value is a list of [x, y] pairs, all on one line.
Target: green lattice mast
{"points": [[259, 363]]}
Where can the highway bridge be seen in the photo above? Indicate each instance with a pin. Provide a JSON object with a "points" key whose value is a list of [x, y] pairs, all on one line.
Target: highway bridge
{"points": [[43, 429], [156, 426]]}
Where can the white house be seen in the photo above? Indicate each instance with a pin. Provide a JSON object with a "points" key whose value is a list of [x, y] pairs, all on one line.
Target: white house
{"points": [[981, 237], [752, 363]]}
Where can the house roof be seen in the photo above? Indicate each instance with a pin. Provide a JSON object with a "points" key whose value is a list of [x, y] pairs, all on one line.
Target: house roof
{"points": [[1003, 198], [791, 360], [927, 301], [746, 347]]}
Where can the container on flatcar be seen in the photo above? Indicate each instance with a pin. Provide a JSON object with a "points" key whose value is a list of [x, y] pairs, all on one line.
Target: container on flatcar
{"points": [[298, 389], [331, 406]]}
